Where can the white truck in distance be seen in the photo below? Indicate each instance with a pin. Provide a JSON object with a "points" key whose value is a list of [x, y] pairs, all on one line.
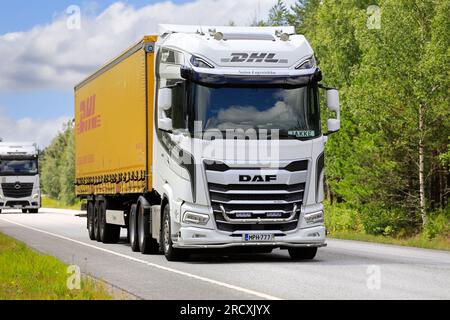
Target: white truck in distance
{"points": [[226, 123], [19, 177]]}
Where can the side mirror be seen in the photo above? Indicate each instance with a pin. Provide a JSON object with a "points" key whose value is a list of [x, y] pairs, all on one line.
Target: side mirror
{"points": [[164, 104], [333, 125], [165, 124], [334, 105], [165, 99], [333, 100]]}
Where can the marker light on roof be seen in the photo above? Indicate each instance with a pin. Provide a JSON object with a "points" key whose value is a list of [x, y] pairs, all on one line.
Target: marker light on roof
{"points": [[218, 36], [284, 37]]}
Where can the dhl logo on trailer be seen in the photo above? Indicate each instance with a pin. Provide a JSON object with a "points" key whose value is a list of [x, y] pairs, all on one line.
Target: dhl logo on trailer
{"points": [[89, 119]]}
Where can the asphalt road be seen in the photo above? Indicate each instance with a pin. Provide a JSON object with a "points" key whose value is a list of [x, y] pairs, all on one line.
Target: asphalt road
{"points": [[343, 270]]}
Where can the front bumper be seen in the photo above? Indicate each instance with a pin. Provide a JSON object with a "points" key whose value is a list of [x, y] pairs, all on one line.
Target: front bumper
{"points": [[25, 203], [199, 238]]}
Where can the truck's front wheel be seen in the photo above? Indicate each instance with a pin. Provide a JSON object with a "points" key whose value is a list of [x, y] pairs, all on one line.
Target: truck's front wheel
{"points": [[302, 253], [171, 253]]}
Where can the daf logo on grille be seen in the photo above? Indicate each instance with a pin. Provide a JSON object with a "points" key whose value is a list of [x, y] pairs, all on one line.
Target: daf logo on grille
{"points": [[17, 186], [269, 178]]}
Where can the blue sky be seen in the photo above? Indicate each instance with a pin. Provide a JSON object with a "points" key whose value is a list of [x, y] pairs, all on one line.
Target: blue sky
{"points": [[22, 15], [42, 59]]}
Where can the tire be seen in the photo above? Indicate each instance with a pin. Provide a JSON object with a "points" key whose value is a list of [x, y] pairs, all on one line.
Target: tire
{"points": [[132, 229], [109, 233], [0, 210], [146, 243], [24, 210], [90, 219], [302, 253], [97, 221], [34, 211], [171, 253]]}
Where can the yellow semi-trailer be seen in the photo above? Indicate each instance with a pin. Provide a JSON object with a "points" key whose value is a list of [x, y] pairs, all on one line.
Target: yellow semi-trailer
{"points": [[113, 137], [172, 143]]}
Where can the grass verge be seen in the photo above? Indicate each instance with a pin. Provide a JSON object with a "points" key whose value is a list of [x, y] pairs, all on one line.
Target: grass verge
{"points": [[439, 243], [55, 204], [28, 275]]}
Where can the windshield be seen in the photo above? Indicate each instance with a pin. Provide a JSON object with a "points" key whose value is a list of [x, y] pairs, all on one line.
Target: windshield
{"points": [[293, 111], [17, 167]]}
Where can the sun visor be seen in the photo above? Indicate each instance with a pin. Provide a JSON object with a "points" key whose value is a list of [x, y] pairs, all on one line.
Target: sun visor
{"points": [[250, 80]]}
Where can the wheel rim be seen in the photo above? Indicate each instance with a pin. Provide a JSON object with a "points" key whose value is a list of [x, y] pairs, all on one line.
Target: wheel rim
{"points": [[91, 224], [90, 219], [166, 235], [102, 225], [95, 222], [141, 230], [132, 230]]}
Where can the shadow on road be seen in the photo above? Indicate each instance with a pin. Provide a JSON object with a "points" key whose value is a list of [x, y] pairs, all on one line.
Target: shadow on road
{"points": [[227, 256]]}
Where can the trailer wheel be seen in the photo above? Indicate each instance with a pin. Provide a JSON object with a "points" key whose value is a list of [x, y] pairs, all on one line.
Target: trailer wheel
{"points": [[146, 243], [171, 253], [302, 253], [90, 220], [132, 229], [109, 233], [97, 221]]}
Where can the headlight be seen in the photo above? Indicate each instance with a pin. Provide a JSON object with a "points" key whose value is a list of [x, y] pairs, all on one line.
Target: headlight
{"points": [[35, 196], [195, 218], [308, 63], [201, 63], [315, 217]]}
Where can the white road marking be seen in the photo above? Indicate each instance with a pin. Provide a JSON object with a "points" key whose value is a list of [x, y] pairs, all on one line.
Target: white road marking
{"points": [[154, 265]]}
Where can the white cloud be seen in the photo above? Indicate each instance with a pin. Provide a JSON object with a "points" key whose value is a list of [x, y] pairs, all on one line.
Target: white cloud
{"points": [[30, 130], [54, 57], [287, 112]]}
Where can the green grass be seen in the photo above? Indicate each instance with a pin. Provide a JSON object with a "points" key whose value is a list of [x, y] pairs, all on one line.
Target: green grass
{"points": [[28, 275], [438, 243], [55, 204]]}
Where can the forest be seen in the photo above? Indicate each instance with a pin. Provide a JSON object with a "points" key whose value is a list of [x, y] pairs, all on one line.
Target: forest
{"points": [[387, 169]]}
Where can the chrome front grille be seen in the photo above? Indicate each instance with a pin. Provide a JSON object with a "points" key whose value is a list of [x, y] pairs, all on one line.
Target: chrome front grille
{"points": [[255, 206], [17, 190]]}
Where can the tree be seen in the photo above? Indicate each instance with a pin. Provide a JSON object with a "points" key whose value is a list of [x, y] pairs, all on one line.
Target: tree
{"points": [[302, 15], [67, 178], [395, 100], [58, 166], [278, 15], [389, 160]]}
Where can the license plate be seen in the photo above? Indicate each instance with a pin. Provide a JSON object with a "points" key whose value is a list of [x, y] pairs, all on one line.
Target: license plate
{"points": [[258, 237]]}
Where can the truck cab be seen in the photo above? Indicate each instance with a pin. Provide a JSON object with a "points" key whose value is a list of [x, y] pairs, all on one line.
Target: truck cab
{"points": [[19, 177]]}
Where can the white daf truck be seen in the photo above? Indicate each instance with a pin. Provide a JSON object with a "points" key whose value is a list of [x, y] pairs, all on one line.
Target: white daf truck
{"points": [[206, 138], [19, 177]]}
